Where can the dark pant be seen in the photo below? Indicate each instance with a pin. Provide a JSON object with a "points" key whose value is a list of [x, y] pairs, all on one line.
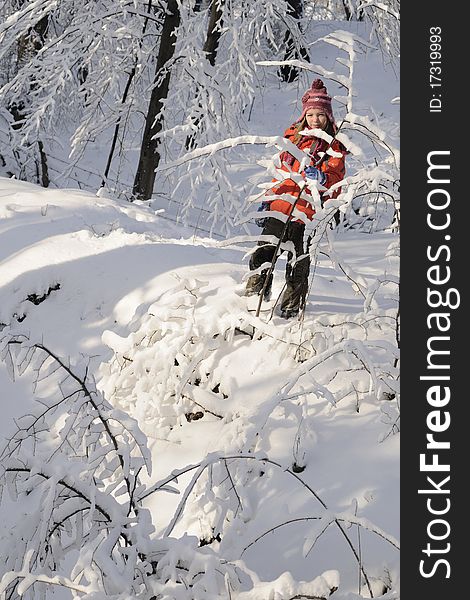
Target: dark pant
{"points": [[297, 275]]}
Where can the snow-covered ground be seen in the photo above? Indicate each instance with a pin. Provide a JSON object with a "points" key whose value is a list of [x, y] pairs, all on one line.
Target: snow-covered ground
{"points": [[297, 420], [112, 275]]}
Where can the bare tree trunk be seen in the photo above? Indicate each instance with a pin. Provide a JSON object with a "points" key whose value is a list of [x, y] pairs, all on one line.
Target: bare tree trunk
{"points": [[45, 181], [214, 30], [28, 46], [30, 43], [149, 157], [211, 45], [287, 72], [123, 101], [347, 10]]}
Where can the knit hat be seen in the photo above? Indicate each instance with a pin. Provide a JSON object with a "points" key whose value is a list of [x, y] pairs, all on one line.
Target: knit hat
{"points": [[317, 97]]}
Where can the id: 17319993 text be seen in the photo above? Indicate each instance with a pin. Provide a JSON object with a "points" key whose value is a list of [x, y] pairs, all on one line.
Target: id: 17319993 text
{"points": [[435, 69]]}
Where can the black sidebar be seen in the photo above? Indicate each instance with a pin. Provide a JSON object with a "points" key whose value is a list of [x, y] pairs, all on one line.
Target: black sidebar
{"points": [[435, 246]]}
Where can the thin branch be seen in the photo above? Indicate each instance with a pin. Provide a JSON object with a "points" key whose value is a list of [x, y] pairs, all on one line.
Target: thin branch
{"points": [[240, 505], [299, 519], [65, 484], [88, 394]]}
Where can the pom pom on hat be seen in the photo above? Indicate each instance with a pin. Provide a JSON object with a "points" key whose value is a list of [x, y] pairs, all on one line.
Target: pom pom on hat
{"points": [[317, 97]]}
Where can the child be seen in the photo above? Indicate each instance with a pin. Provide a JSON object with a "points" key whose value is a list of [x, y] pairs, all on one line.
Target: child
{"points": [[316, 114]]}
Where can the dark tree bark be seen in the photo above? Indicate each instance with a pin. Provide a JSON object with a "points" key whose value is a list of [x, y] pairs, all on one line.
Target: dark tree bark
{"points": [[28, 46], [45, 181], [288, 73], [30, 43], [347, 11], [82, 74], [149, 156], [123, 101], [214, 30], [211, 45]]}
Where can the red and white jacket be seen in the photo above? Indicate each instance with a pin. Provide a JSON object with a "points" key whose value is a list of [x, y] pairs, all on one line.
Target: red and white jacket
{"points": [[332, 166]]}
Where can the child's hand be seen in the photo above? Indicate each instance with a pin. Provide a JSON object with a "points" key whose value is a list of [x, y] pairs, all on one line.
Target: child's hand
{"points": [[264, 206], [314, 173]]}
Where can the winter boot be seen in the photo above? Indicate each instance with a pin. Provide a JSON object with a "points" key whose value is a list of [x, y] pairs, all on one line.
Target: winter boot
{"points": [[255, 284], [293, 300]]}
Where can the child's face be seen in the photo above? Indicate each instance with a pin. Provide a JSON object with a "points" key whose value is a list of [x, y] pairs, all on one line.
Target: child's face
{"points": [[316, 118]]}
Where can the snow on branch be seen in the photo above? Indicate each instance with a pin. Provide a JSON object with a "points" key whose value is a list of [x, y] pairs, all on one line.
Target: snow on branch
{"points": [[317, 69], [74, 454], [209, 150], [381, 6]]}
